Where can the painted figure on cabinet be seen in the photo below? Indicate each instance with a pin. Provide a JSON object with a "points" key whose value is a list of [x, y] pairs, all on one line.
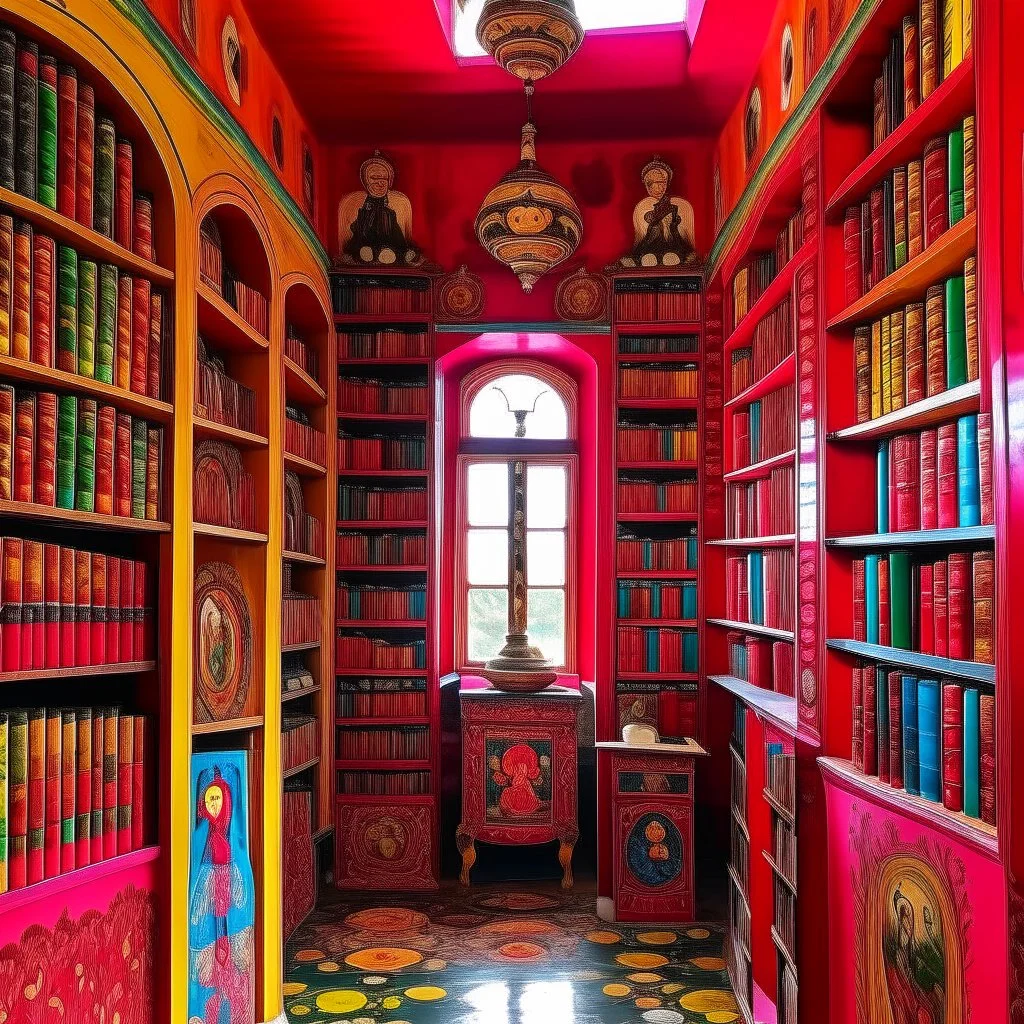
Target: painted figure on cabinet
{"points": [[662, 224], [221, 894], [519, 782], [375, 225]]}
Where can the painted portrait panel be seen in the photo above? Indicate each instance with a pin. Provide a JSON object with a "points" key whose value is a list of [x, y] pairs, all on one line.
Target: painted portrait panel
{"points": [[518, 784]]}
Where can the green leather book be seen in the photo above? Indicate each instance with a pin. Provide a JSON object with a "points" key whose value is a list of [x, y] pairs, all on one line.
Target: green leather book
{"points": [[87, 318], [956, 175], [106, 323], [67, 431], [871, 598], [140, 439], [46, 137], [972, 754], [103, 178], [956, 332], [899, 600], [67, 309], [85, 462]]}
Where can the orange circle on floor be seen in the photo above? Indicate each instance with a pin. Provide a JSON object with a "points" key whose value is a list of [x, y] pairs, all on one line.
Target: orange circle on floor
{"points": [[522, 950], [524, 926], [387, 919], [657, 938], [306, 956], [605, 938], [642, 959], [383, 958]]}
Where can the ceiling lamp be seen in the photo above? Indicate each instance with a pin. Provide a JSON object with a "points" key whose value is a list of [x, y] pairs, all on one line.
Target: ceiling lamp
{"points": [[529, 38]]}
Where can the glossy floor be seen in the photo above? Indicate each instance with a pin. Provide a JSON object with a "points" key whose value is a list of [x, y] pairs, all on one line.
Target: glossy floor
{"points": [[499, 955]]}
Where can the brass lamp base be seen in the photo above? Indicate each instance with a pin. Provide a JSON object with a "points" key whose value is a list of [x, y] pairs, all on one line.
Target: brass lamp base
{"points": [[519, 667]]}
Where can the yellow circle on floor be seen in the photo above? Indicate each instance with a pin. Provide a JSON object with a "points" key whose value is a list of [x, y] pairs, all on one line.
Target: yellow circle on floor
{"points": [[672, 987], [657, 938], [305, 956], [426, 993], [605, 938], [708, 1000], [722, 1017], [644, 978], [300, 1010], [647, 1002], [340, 1000], [383, 958], [328, 967], [391, 1002], [709, 963], [617, 989], [697, 933], [641, 959], [293, 988]]}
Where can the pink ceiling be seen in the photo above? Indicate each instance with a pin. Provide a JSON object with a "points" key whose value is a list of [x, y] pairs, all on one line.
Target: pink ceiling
{"points": [[366, 71]]}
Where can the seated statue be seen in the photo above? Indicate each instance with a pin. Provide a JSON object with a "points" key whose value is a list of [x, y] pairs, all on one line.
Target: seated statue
{"points": [[374, 225], [663, 224]]}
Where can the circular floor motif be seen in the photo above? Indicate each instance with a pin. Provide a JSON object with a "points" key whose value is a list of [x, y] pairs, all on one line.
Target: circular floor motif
{"points": [[374, 979], [708, 963], [709, 1000], [671, 988], [387, 919], [293, 988], [657, 938], [328, 967], [518, 901], [383, 958], [641, 959], [435, 965], [644, 978], [307, 956], [722, 1016], [300, 1010], [617, 989], [663, 1017], [460, 920], [697, 933], [523, 926], [340, 1000], [605, 938], [646, 1002], [426, 993], [522, 951]]}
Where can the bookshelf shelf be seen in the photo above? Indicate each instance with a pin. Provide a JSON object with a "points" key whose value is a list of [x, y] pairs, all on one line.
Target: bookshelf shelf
{"points": [[360, 765], [753, 628], [385, 417], [664, 677], [760, 469], [658, 357], [411, 673], [121, 668], [222, 325], [346, 362], [681, 464], [916, 538], [345, 320], [657, 574], [304, 467], [382, 524], [658, 403], [211, 430], [228, 533], [628, 327], [306, 691], [929, 663], [658, 517], [287, 773], [776, 870], [301, 558], [777, 708], [381, 623], [776, 541], [87, 242], [50, 377], [948, 405], [381, 568], [228, 725], [395, 473], [778, 377], [676, 623], [300, 386], [945, 256], [310, 645], [82, 520], [394, 720]]}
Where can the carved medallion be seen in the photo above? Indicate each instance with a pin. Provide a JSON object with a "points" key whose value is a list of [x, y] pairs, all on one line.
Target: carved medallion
{"points": [[223, 644], [582, 298], [459, 296]]}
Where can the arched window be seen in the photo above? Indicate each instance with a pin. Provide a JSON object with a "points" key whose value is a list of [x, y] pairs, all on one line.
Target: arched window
{"points": [[516, 414]]}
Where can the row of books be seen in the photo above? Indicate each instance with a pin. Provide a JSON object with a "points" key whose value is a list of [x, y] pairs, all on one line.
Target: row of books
{"points": [[738, 787], [752, 279], [657, 442], [300, 613], [658, 380], [921, 55], [944, 607], [762, 507], [639, 599], [739, 856], [738, 738], [784, 847], [760, 587], [656, 649], [390, 697], [223, 492], [651, 300], [377, 296], [301, 438], [912, 207], [920, 351], [761, 662], [383, 548], [362, 501], [764, 429], [375, 783], [938, 478], [300, 740], [780, 776], [73, 790], [398, 743], [381, 451], [648, 494], [653, 344], [221, 398], [671, 707], [371, 601], [934, 738], [61, 607], [369, 394], [295, 673], [387, 343], [56, 151], [303, 531], [74, 453], [784, 918], [76, 315], [665, 554], [358, 650], [300, 352], [247, 301], [771, 344]]}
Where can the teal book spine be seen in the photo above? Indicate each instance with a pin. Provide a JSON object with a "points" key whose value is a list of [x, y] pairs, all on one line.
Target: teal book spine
{"points": [[956, 175], [755, 586], [85, 456], [623, 601], [67, 309], [689, 600], [651, 640], [139, 442], [67, 430], [929, 747], [755, 432], [46, 137], [87, 318], [648, 556], [972, 754], [968, 488], [901, 634], [911, 772], [882, 488], [656, 600], [689, 651], [871, 598], [106, 323], [956, 332], [882, 722], [691, 553]]}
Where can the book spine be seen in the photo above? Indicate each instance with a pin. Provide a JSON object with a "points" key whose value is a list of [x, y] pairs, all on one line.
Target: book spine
{"points": [[958, 582], [99, 733], [36, 794], [6, 261], [125, 775], [111, 750], [67, 139], [955, 176], [985, 468], [83, 788], [141, 317], [32, 625], [124, 192], [935, 340], [886, 365], [7, 404], [68, 621], [987, 744], [127, 642], [21, 292], [98, 622], [67, 309], [940, 603], [142, 226], [8, 62], [105, 460], [871, 597], [884, 611], [858, 718], [154, 368], [859, 601], [44, 305], [103, 186], [123, 465], [67, 433], [17, 799], [51, 606], [852, 251], [26, 108], [139, 809], [140, 440], [113, 639], [882, 488], [876, 369], [915, 209], [948, 476], [87, 283], [900, 600], [911, 66], [46, 129], [85, 452], [24, 445], [85, 150], [968, 488], [930, 47], [83, 608], [929, 749], [68, 789], [972, 754], [123, 334], [952, 35], [952, 747], [877, 235], [46, 448], [936, 190], [984, 611], [154, 450], [53, 770], [895, 689], [862, 362], [870, 720], [106, 323], [926, 615], [911, 771], [970, 160], [882, 722]]}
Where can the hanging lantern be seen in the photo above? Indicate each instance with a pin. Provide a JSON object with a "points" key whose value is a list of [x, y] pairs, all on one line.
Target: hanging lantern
{"points": [[529, 38], [528, 221]]}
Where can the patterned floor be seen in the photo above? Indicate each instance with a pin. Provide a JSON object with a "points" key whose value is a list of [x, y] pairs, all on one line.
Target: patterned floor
{"points": [[498, 954]]}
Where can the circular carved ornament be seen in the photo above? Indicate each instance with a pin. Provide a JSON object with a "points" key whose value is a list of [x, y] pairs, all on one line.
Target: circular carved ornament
{"points": [[223, 644], [582, 298], [460, 296]]}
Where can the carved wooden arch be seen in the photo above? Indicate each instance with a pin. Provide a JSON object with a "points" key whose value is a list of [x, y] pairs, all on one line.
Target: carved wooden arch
{"points": [[319, 289]]}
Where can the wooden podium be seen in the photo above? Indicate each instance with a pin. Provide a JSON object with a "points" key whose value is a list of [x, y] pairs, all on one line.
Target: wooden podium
{"points": [[519, 772]]}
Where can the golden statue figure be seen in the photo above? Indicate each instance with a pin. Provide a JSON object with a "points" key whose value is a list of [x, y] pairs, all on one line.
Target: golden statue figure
{"points": [[662, 224]]}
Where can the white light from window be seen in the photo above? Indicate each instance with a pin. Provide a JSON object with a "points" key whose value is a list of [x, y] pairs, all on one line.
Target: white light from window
{"points": [[490, 416]]}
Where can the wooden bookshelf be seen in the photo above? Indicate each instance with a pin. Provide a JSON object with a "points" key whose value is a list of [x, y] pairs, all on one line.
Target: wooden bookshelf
{"points": [[214, 431]]}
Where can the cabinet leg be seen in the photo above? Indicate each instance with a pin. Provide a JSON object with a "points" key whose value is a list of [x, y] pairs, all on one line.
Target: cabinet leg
{"points": [[467, 847], [565, 849]]}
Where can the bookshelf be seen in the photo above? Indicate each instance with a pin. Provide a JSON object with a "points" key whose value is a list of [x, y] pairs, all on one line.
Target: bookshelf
{"points": [[386, 747]]}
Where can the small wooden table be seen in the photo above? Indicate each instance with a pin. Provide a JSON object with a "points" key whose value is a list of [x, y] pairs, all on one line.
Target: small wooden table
{"points": [[519, 772], [652, 815]]}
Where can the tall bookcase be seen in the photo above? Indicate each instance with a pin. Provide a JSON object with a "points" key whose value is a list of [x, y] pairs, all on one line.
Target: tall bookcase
{"points": [[387, 700], [657, 327]]}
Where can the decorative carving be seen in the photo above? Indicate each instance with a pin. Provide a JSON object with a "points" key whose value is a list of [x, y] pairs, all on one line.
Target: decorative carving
{"points": [[380, 846], [297, 859], [1016, 915], [233, 59], [223, 493], [529, 38], [223, 644], [752, 126], [459, 296], [786, 67], [582, 298]]}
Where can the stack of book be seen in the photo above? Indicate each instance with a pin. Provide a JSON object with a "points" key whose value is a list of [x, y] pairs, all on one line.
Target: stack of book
{"points": [[300, 740], [654, 345], [223, 492], [764, 663], [669, 705], [651, 300], [664, 554], [760, 587], [355, 649], [381, 548], [762, 507], [656, 649], [395, 743], [765, 428], [303, 532], [378, 296], [248, 302], [393, 697], [639, 493], [219, 397], [295, 674], [378, 602], [383, 783], [366, 502], [387, 343], [387, 396], [300, 613], [638, 599], [772, 342], [784, 847], [657, 442], [753, 278], [300, 352], [373, 450], [658, 380], [301, 438]]}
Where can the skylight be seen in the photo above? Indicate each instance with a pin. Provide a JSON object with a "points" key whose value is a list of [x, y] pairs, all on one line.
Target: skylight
{"points": [[593, 14]]}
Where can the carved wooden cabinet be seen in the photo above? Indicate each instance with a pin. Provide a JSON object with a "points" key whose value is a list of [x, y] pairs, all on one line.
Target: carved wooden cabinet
{"points": [[652, 791], [519, 772]]}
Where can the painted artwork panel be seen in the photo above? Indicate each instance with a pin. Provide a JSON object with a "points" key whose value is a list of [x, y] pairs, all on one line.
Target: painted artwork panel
{"points": [[654, 850], [518, 783], [221, 978]]}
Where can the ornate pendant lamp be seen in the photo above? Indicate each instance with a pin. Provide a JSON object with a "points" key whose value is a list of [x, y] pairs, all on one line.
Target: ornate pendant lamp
{"points": [[529, 38]]}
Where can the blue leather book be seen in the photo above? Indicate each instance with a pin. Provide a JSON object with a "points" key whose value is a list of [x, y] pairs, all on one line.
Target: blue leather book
{"points": [[882, 722], [967, 465], [755, 586], [882, 488], [911, 774], [929, 747], [655, 600], [972, 760], [622, 604], [691, 552], [871, 597], [648, 555], [653, 659], [755, 432], [689, 600]]}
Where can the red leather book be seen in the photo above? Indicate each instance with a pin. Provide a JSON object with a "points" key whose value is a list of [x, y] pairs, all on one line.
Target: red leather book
{"points": [[896, 730], [21, 292], [123, 465], [881, 709], [139, 809], [870, 721], [142, 226], [6, 280], [145, 640], [940, 602], [51, 606], [124, 193], [858, 718], [915, 209], [906, 469], [878, 118], [44, 299], [85, 148], [24, 445], [46, 448], [123, 344], [36, 871], [10, 646], [54, 770], [958, 582], [140, 335], [926, 617], [877, 235], [68, 618], [867, 246], [83, 787], [851, 248], [127, 642], [105, 420], [99, 732], [68, 788], [156, 342], [884, 614], [911, 66], [67, 139], [154, 458], [125, 778], [936, 190], [111, 750], [33, 628], [113, 609], [948, 477], [971, 316], [897, 351], [6, 442], [929, 451], [98, 649], [984, 590], [987, 769], [83, 608], [935, 340], [985, 468], [860, 628], [952, 746], [931, 47], [741, 440], [899, 201]]}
